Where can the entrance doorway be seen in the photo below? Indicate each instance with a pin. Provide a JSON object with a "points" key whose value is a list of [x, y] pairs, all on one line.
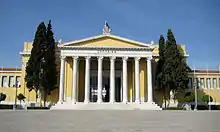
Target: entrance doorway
{"points": [[105, 86], [118, 91]]}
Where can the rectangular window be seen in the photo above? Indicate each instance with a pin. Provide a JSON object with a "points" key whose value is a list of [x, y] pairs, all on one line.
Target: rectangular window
{"points": [[18, 81], [202, 85], [4, 81], [190, 83], [214, 83], [11, 81], [219, 83], [197, 83], [208, 83]]}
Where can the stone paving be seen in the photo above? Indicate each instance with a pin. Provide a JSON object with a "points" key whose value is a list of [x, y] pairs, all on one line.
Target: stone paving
{"points": [[109, 121]]}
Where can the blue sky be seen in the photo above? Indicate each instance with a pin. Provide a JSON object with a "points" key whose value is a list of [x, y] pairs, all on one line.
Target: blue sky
{"points": [[194, 23]]}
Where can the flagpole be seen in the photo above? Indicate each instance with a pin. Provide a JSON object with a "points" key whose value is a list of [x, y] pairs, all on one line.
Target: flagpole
{"points": [[195, 88]]}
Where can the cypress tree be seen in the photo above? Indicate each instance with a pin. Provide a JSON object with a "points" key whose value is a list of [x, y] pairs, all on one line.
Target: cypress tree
{"points": [[34, 65], [159, 74], [50, 75], [175, 69]]}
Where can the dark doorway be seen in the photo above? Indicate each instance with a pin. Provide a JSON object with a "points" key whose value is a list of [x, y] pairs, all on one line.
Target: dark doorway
{"points": [[118, 89], [106, 85]]}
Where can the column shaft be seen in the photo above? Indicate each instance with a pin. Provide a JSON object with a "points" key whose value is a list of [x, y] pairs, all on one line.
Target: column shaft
{"points": [[74, 85], [112, 79], [149, 76], [137, 80], [62, 70], [87, 79], [125, 82], [99, 100]]}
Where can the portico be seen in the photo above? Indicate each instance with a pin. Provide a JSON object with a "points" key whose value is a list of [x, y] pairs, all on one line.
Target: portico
{"points": [[106, 69], [100, 62]]}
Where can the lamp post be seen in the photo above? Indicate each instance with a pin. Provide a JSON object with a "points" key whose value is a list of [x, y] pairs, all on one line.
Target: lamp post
{"points": [[196, 100], [195, 88], [16, 92]]}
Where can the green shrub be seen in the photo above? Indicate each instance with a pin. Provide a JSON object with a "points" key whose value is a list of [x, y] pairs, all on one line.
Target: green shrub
{"points": [[4, 106], [2, 97], [189, 97], [173, 108], [206, 98], [38, 108], [21, 97]]}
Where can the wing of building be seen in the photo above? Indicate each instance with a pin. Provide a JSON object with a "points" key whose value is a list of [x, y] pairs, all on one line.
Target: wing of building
{"points": [[102, 70]]}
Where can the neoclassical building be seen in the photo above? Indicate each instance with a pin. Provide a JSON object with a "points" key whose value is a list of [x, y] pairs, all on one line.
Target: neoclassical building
{"points": [[100, 72]]}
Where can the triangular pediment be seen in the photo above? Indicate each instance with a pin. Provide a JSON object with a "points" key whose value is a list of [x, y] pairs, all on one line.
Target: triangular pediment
{"points": [[106, 41]]}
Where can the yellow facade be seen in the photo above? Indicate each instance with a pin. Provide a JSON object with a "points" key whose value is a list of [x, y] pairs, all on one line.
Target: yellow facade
{"points": [[99, 42], [8, 85]]}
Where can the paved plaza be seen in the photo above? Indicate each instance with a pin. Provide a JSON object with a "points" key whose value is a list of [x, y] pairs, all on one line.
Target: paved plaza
{"points": [[109, 121]]}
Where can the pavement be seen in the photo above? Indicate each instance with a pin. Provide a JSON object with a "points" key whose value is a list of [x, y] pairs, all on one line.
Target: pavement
{"points": [[109, 121]]}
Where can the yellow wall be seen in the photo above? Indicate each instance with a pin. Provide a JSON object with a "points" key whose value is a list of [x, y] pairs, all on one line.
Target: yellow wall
{"points": [[108, 42], [68, 78], [143, 80], [9, 91], [81, 80], [130, 80]]}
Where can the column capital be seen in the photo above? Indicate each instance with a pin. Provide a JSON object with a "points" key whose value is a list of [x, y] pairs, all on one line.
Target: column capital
{"points": [[112, 57], [137, 58], [62, 57], [75, 57], [87, 57], [100, 57], [125, 58], [149, 58]]}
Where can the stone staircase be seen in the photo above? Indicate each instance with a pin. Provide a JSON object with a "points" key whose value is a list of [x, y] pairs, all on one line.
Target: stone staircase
{"points": [[106, 106]]}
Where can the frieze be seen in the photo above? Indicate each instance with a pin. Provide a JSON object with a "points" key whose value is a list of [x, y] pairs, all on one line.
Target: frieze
{"points": [[106, 52]]}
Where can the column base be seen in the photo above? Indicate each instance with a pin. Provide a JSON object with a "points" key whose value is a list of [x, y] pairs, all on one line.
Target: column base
{"points": [[150, 102], [99, 101], [60, 102], [137, 101], [73, 102], [125, 102], [111, 102], [86, 101]]}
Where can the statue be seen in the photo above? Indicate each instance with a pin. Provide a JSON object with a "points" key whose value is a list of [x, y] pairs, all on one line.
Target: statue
{"points": [[171, 96], [106, 29]]}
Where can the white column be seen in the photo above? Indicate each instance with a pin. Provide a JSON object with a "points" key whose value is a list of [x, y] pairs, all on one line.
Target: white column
{"points": [[137, 80], [99, 100], [112, 79], [87, 79], [74, 87], [62, 69], [149, 82], [125, 82]]}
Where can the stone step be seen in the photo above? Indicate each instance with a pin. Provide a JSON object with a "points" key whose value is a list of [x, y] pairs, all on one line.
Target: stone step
{"points": [[107, 106]]}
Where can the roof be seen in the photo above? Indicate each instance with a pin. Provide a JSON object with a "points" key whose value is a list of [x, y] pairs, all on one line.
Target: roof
{"points": [[10, 69], [206, 71], [108, 36]]}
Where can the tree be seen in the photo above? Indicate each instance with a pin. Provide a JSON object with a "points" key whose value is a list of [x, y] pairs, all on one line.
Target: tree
{"points": [[159, 74], [2, 97], [207, 98], [50, 75], [34, 69], [21, 97], [189, 97], [175, 70]]}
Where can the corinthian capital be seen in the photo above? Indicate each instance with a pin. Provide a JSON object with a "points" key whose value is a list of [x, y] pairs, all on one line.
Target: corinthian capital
{"points": [[62, 57], [149, 58]]}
